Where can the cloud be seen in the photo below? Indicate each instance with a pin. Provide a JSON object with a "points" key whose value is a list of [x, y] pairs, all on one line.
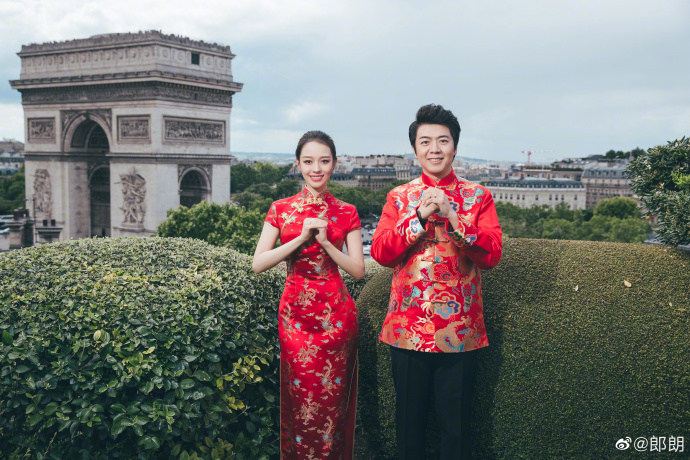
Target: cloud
{"points": [[298, 113], [575, 76], [264, 140]]}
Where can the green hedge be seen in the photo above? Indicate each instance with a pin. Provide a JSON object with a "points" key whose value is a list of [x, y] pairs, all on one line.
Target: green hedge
{"points": [[145, 347], [577, 359], [119, 348]]}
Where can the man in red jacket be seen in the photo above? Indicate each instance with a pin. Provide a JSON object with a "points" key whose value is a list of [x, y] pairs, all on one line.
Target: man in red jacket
{"points": [[438, 232]]}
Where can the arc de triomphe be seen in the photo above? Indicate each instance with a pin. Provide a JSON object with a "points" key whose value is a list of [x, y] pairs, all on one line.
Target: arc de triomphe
{"points": [[122, 127]]}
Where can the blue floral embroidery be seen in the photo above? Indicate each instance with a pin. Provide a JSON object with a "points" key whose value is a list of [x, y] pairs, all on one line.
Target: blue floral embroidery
{"points": [[471, 197], [448, 309]]}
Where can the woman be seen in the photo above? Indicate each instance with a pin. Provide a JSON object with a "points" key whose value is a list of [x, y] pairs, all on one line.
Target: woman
{"points": [[317, 317]]}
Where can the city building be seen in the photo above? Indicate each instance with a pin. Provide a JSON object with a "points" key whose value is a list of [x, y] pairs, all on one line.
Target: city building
{"points": [[606, 179], [11, 157], [526, 192], [374, 178]]}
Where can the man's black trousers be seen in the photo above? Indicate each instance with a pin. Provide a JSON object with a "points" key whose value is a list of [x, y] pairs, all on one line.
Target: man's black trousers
{"points": [[444, 380]]}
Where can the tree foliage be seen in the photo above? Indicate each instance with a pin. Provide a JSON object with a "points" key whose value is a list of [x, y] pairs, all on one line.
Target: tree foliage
{"points": [[614, 219], [221, 225], [244, 175], [661, 178], [620, 207], [12, 194], [618, 154]]}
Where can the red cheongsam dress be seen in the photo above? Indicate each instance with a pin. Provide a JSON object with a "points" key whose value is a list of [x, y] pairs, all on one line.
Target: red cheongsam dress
{"points": [[318, 334]]}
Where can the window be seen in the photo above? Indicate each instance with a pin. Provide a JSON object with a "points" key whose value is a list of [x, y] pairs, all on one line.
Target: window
{"points": [[536, 197], [195, 58]]}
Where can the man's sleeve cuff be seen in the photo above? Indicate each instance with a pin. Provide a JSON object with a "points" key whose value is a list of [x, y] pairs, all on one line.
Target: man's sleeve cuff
{"points": [[463, 235], [410, 229]]}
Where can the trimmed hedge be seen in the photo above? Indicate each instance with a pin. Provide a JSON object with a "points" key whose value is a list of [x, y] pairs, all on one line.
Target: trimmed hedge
{"points": [[142, 347], [588, 344]]}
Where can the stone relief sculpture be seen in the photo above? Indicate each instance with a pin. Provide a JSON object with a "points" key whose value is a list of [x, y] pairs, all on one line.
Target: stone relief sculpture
{"points": [[133, 198], [41, 129], [135, 91], [194, 130], [43, 195], [133, 128]]}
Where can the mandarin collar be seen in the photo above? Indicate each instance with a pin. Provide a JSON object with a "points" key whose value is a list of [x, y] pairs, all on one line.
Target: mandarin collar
{"points": [[447, 181], [306, 193]]}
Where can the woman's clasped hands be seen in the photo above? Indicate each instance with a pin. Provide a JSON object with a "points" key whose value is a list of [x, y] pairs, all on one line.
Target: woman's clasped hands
{"points": [[316, 227]]}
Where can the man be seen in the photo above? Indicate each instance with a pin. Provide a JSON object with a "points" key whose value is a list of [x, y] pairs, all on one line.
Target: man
{"points": [[438, 232]]}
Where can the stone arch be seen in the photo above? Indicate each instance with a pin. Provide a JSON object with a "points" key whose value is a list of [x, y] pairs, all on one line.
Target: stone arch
{"points": [[99, 201], [194, 187], [86, 132]]}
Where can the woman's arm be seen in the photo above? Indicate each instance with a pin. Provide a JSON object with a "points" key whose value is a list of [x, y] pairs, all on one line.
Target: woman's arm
{"points": [[353, 261], [266, 256]]}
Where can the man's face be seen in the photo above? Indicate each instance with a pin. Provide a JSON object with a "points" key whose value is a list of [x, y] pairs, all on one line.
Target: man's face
{"points": [[435, 150]]}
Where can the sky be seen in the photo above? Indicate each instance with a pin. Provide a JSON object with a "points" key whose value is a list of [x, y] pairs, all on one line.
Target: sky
{"points": [[559, 78]]}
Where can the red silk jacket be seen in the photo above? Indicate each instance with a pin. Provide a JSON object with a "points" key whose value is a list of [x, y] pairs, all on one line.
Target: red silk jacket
{"points": [[436, 294]]}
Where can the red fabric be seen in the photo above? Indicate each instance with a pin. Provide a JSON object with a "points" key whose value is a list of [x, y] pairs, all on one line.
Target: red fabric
{"points": [[318, 334], [436, 294]]}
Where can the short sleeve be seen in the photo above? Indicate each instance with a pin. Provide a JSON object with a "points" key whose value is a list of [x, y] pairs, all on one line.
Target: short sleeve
{"points": [[272, 216], [354, 221]]}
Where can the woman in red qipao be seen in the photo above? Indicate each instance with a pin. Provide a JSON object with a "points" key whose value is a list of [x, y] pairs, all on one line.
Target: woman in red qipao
{"points": [[317, 317]]}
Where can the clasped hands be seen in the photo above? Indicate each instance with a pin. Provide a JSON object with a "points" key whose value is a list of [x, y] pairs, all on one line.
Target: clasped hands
{"points": [[435, 200], [316, 227]]}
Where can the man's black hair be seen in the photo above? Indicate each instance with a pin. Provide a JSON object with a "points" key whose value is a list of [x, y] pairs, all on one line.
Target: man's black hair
{"points": [[433, 114]]}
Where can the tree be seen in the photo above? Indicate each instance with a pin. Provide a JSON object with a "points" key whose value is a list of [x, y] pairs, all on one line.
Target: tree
{"points": [[286, 188], [616, 154], [630, 230], [559, 229], [12, 192], [221, 225], [580, 224], [661, 178], [241, 177], [268, 173], [620, 207]]}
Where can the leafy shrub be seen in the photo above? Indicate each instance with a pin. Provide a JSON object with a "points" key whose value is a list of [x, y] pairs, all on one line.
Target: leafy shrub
{"points": [[220, 225], [661, 178], [137, 348], [577, 358]]}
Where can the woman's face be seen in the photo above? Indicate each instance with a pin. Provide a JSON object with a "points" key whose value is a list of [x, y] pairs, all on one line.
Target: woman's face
{"points": [[316, 164]]}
